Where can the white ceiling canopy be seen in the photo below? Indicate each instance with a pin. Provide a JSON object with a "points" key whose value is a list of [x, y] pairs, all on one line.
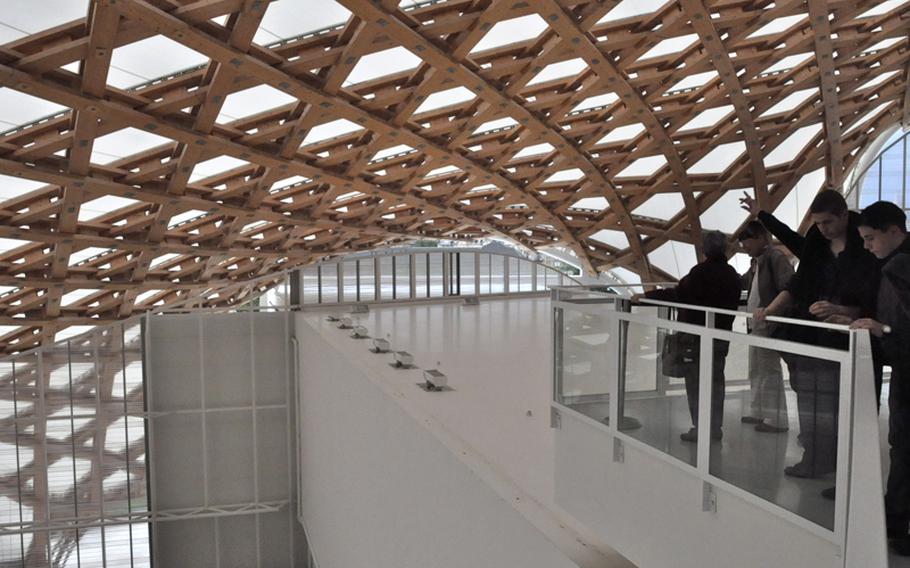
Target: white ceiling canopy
{"points": [[297, 17], [252, 101], [150, 59], [123, 143], [382, 63], [511, 31]]}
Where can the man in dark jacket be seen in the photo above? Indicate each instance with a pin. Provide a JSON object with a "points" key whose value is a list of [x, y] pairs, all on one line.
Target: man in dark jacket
{"points": [[713, 283], [768, 276], [836, 277], [883, 227]]}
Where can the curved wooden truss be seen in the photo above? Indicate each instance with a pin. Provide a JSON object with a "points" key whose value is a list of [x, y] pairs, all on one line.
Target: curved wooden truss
{"points": [[626, 125]]}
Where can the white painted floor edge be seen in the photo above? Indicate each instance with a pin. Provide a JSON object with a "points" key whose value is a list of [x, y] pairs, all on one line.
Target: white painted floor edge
{"points": [[569, 536]]}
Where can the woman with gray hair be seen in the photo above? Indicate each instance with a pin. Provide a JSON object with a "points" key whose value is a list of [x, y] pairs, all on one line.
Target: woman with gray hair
{"points": [[714, 283]]}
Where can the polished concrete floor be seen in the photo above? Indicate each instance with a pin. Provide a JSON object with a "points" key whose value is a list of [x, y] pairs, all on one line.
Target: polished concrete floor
{"points": [[497, 357]]}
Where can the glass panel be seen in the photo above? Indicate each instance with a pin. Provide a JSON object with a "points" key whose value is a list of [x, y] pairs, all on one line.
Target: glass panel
{"points": [[310, 276], [541, 277], [514, 274], [421, 282], [497, 274], [525, 278], [386, 278], [905, 185], [403, 277], [329, 282], [581, 362], [869, 185], [436, 288], [654, 396], [486, 261], [349, 277], [785, 451], [467, 273], [892, 164], [367, 283]]}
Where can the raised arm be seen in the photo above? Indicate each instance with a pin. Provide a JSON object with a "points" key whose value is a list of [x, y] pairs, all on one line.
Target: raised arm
{"points": [[790, 238]]}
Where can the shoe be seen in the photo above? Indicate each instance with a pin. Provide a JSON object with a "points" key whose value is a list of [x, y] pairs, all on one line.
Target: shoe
{"points": [[750, 420], [901, 546], [829, 493], [692, 435], [762, 427], [801, 470]]}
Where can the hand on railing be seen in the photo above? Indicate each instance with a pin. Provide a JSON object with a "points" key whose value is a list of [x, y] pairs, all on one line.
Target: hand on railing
{"points": [[839, 319], [876, 328]]}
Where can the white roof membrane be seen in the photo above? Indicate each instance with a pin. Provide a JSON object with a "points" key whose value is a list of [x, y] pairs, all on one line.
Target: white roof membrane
{"points": [[252, 101], [622, 133], [787, 150], [631, 9], [445, 98], [329, 130], [663, 206], [718, 159], [616, 239], [568, 68], [381, 64], [149, 59], [674, 257], [123, 143], [290, 19], [511, 31]]}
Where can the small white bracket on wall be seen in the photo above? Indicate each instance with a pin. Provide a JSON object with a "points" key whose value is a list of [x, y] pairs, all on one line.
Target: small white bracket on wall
{"points": [[555, 419], [619, 451], [709, 498]]}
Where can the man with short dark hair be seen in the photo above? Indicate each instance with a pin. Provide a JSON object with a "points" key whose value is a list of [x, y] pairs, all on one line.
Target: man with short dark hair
{"points": [[833, 279], [883, 227], [768, 276]]}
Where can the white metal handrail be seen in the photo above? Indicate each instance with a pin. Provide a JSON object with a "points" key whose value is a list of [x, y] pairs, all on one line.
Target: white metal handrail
{"points": [[747, 315]]}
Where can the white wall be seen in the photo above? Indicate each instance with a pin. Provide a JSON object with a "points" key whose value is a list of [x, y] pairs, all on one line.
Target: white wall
{"points": [[379, 489], [219, 390]]}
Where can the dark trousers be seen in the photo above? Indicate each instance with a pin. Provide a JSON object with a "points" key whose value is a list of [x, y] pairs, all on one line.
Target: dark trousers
{"points": [[717, 388], [897, 495], [817, 386]]}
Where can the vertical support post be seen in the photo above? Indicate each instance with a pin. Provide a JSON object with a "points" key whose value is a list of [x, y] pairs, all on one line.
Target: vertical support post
{"points": [[357, 279], [558, 331], [505, 274], [477, 273], [412, 275], [205, 447], [339, 279], [149, 407], [41, 538], [445, 274], [255, 418], [394, 278], [377, 280], [295, 282], [619, 330], [705, 372], [456, 273]]}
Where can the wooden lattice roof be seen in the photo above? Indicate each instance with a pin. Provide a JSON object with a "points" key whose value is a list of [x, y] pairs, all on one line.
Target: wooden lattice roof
{"points": [[606, 127]]}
